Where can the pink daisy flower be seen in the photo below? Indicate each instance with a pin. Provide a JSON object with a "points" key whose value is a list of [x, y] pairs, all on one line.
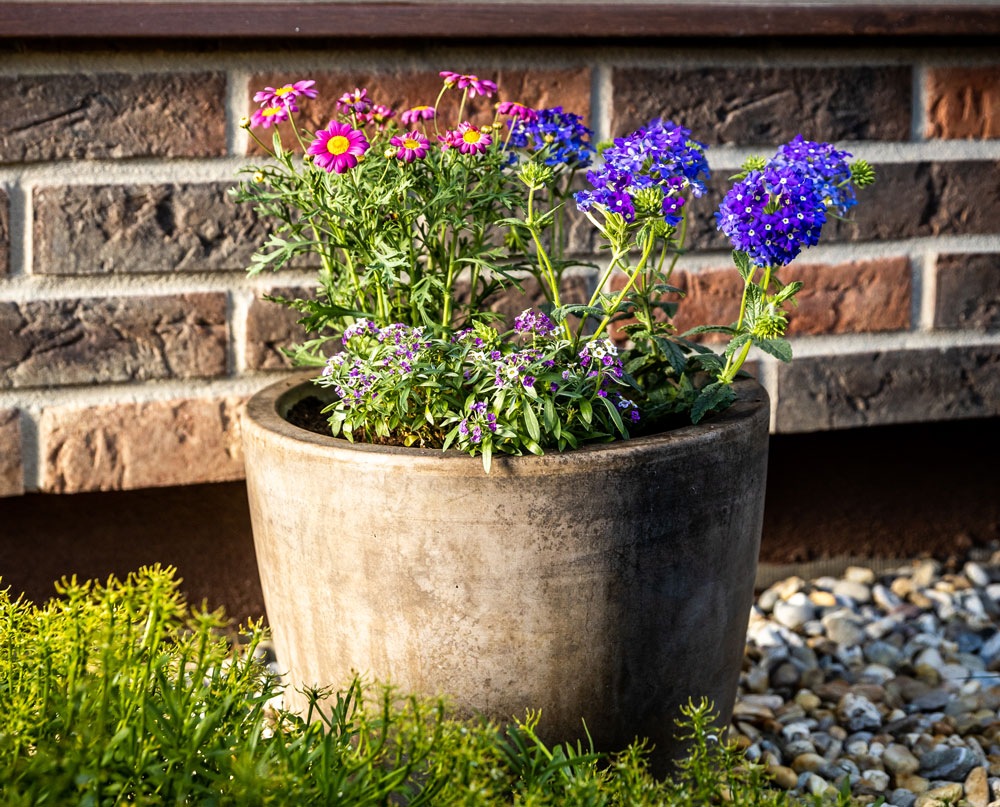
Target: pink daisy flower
{"points": [[267, 115], [418, 113], [411, 146], [286, 95], [471, 140], [357, 101], [379, 116], [476, 85], [450, 139], [517, 110], [337, 147]]}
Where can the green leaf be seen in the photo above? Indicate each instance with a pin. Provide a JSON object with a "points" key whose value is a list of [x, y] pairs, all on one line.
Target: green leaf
{"points": [[673, 353], [487, 455], [450, 438], [711, 398], [531, 422], [549, 415], [586, 411], [709, 329], [743, 265], [736, 343], [779, 348], [617, 418]]}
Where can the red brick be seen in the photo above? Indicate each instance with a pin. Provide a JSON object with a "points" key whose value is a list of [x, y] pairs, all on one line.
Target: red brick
{"points": [[968, 292], [963, 102], [11, 470], [124, 446], [112, 339], [857, 297], [767, 105], [401, 90], [90, 116]]}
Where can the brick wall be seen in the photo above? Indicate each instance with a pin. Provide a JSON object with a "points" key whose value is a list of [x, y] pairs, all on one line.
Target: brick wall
{"points": [[129, 335]]}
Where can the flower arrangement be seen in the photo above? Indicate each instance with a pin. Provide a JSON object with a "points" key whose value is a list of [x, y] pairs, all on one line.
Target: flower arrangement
{"points": [[418, 225]]}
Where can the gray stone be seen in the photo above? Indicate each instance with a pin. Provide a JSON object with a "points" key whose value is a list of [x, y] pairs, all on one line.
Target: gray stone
{"points": [[857, 713], [951, 764], [858, 592], [883, 653], [794, 613], [899, 759], [931, 702], [842, 630], [902, 797]]}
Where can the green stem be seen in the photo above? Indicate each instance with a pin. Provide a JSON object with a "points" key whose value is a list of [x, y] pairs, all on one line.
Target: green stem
{"points": [[543, 260], [650, 240]]}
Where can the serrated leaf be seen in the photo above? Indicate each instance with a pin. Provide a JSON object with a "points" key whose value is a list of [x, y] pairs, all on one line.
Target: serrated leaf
{"points": [[675, 356], [779, 348], [713, 397], [736, 343], [743, 265]]}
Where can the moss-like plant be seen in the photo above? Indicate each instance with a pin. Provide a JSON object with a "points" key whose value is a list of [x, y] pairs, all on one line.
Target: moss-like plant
{"points": [[120, 694]]}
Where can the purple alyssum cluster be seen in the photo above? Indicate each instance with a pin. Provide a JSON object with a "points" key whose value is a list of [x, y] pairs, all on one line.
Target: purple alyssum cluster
{"points": [[660, 155], [533, 323], [471, 427]]}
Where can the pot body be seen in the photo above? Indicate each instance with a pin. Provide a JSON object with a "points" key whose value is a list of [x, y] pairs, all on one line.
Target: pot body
{"points": [[608, 584]]}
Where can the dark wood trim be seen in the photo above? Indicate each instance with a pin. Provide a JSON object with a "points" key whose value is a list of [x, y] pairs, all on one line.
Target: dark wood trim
{"points": [[283, 21]]}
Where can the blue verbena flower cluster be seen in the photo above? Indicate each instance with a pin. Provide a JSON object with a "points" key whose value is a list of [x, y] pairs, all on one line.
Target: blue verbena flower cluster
{"points": [[563, 133], [660, 155], [772, 214], [826, 167]]}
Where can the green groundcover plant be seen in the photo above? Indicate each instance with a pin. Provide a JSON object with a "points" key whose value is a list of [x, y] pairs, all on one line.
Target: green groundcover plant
{"points": [[418, 226], [119, 694]]}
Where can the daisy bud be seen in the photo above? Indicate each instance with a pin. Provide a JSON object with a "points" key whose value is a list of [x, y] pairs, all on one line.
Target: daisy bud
{"points": [[258, 177], [486, 128], [389, 153], [244, 122]]}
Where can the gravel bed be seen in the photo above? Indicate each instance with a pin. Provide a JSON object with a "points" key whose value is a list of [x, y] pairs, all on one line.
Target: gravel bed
{"points": [[889, 680]]}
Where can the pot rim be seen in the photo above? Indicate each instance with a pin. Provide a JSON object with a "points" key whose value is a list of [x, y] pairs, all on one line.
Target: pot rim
{"points": [[262, 418]]}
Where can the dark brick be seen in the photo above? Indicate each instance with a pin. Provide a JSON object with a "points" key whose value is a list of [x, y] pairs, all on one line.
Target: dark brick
{"points": [[112, 115], [908, 200], [4, 233], [968, 292], [11, 469], [900, 386], [272, 326], [100, 229], [402, 90], [112, 339], [767, 105], [963, 102]]}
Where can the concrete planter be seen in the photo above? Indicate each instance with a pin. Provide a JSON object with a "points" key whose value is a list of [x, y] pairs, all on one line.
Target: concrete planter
{"points": [[609, 583]]}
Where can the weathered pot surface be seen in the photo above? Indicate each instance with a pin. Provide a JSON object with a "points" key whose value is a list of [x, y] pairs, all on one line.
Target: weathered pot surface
{"points": [[608, 584]]}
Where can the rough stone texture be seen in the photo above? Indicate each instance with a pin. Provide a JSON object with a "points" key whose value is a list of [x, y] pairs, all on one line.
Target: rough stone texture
{"points": [[750, 105], [11, 471], [112, 115], [963, 102], [856, 297], [901, 386], [908, 200], [490, 587], [400, 91], [271, 326], [108, 339], [4, 232], [100, 229], [126, 446], [968, 292]]}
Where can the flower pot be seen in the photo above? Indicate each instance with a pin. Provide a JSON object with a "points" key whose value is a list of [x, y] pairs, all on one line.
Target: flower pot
{"points": [[608, 584]]}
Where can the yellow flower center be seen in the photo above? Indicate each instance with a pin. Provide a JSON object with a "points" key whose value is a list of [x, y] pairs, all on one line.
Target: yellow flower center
{"points": [[338, 144], [410, 143], [284, 90], [419, 108], [472, 136], [271, 110]]}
